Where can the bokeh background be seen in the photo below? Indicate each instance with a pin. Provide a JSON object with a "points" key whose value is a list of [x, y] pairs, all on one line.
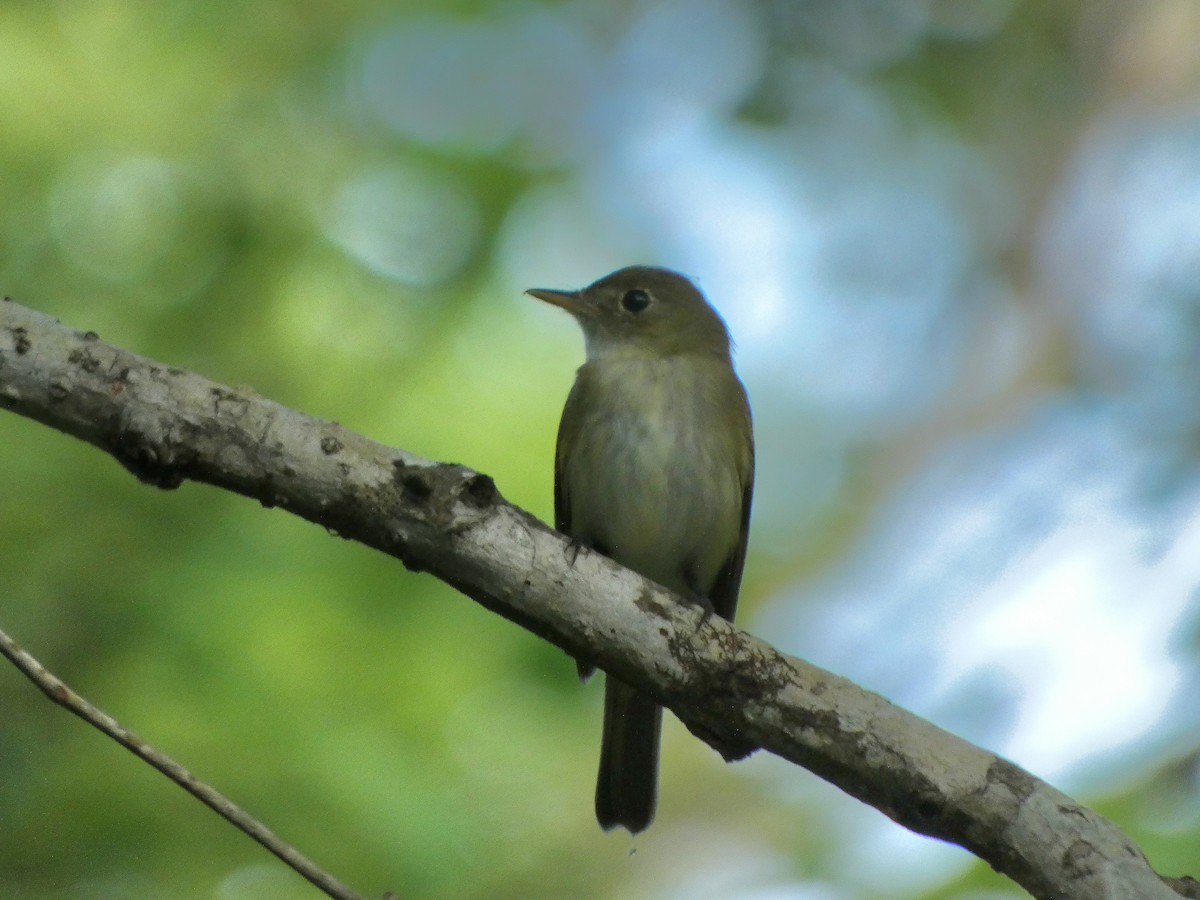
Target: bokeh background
{"points": [[958, 245]]}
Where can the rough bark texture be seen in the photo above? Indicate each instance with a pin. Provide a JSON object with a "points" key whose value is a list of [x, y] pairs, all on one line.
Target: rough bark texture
{"points": [[734, 691]]}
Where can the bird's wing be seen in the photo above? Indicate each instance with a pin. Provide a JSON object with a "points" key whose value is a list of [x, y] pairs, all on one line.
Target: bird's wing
{"points": [[569, 430], [568, 437], [724, 596]]}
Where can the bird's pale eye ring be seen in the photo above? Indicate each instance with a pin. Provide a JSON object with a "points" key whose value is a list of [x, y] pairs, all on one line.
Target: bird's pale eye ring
{"points": [[636, 300]]}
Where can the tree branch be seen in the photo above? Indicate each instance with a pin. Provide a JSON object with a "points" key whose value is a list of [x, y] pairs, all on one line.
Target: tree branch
{"points": [[53, 687], [734, 691]]}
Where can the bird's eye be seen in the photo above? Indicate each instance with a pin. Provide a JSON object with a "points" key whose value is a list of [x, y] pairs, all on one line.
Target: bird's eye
{"points": [[636, 300]]}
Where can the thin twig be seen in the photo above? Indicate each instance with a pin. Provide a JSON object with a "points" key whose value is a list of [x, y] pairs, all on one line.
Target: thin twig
{"points": [[56, 690]]}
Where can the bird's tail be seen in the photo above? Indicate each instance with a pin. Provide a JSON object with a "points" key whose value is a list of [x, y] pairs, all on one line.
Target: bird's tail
{"points": [[627, 788]]}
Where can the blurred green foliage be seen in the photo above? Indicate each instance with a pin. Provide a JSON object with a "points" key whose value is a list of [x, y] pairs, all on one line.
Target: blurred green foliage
{"points": [[171, 176]]}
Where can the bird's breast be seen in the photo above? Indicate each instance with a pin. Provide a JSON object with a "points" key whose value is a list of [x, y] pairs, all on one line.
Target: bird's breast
{"points": [[655, 474]]}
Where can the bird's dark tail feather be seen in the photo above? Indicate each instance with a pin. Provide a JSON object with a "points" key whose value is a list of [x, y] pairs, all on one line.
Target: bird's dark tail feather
{"points": [[627, 789]]}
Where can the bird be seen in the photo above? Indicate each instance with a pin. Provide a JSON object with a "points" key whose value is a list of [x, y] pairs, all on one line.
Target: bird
{"points": [[654, 468]]}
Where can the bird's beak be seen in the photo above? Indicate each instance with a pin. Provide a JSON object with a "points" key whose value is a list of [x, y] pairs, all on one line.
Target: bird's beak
{"points": [[571, 301]]}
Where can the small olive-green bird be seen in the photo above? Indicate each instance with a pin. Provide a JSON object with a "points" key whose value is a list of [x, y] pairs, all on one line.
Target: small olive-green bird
{"points": [[655, 469]]}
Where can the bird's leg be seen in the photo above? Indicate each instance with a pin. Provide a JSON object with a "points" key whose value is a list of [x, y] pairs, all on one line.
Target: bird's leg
{"points": [[706, 612], [574, 545], [579, 543], [585, 668], [695, 596]]}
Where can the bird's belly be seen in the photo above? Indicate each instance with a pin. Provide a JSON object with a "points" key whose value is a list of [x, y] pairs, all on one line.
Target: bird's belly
{"points": [[662, 498]]}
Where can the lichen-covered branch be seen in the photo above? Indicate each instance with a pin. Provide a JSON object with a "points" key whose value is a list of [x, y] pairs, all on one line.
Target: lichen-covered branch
{"points": [[737, 693]]}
